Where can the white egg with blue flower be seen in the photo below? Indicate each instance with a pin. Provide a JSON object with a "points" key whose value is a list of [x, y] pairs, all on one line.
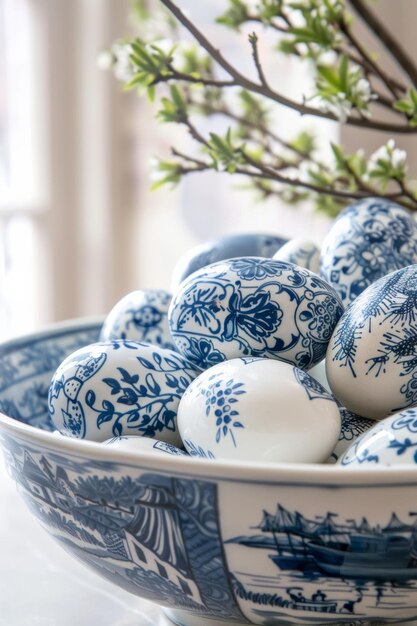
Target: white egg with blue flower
{"points": [[302, 252], [392, 441], [252, 306], [371, 361], [369, 239], [258, 410], [110, 389], [141, 315]]}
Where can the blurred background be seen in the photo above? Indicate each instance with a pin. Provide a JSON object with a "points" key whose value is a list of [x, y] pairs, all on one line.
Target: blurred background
{"points": [[79, 227]]}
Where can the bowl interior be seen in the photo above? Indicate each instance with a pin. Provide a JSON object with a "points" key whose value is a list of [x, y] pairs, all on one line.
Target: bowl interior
{"points": [[28, 364]]}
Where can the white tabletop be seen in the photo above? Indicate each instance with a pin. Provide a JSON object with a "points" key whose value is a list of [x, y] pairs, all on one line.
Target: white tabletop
{"points": [[40, 584]]}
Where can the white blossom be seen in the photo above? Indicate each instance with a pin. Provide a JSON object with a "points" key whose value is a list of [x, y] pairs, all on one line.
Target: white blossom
{"points": [[388, 153], [123, 67], [338, 105], [105, 60], [362, 90]]}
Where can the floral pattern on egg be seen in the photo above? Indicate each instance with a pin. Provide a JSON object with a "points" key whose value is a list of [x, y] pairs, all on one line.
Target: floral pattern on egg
{"points": [[392, 441], [369, 239], [353, 426], [141, 315], [254, 307], [232, 411]]}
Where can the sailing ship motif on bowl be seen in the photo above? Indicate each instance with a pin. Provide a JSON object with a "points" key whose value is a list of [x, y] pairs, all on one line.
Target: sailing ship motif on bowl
{"points": [[349, 549]]}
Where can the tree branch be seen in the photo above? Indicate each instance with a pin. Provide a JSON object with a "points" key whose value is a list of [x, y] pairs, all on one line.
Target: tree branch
{"points": [[269, 93], [391, 85], [266, 173], [389, 42]]}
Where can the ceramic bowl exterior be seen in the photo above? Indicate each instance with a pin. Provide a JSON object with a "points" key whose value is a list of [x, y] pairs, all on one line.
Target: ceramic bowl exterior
{"points": [[258, 410], [142, 316], [114, 388], [301, 252], [392, 441], [370, 362], [252, 306], [369, 239], [228, 247], [213, 542]]}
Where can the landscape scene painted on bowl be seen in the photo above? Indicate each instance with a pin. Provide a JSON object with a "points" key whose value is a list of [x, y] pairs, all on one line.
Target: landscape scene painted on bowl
{"points": [[161, 538]]}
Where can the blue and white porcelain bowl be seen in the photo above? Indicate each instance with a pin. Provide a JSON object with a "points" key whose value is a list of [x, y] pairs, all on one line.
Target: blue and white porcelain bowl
{"points": [[214, 542]]}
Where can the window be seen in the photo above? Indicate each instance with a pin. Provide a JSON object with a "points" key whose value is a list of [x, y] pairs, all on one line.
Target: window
{"points": [[79, 227]]}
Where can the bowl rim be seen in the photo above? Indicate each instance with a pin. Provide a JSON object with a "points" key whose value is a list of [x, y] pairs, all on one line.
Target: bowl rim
{"points": [[321, 475]]}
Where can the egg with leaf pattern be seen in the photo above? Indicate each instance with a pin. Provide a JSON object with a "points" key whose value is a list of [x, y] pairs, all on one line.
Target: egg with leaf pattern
{"points": [[110, 389], [252, 306], [371, 361]]}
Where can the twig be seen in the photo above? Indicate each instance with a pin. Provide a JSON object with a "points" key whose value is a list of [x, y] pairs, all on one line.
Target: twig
{"points": [[370, 62], [253, 40], [265, 173], [386, 38], [269, 93], [188, 78]]}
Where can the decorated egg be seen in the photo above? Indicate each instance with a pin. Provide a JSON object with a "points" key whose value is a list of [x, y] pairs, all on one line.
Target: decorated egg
{"points": [[142, 316], [228, 247], [132, 443], [252, 306], [392, 441], [119, 388], [301, 252], [258, 410], [353, 426], [369, 239], [371, 361]]}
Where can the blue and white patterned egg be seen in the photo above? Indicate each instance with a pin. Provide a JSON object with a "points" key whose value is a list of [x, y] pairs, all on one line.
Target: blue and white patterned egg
{"points": [[302, 252], [254, 306], [353, 427], [116, 388], [258, 410], [392, 441], [142, 316], [228, 247], [131, 443], [371, 361], [369, 239]]}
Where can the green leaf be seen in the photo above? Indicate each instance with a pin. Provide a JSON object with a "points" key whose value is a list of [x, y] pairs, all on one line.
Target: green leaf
{"points": [[329, 75], [344, 74], [178, 98], [338, 155]]}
